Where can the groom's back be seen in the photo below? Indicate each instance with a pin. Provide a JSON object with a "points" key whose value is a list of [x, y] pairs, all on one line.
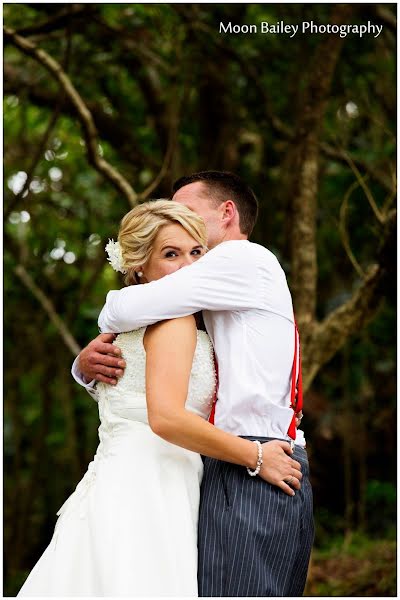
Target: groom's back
{"points": [[255, 348]]}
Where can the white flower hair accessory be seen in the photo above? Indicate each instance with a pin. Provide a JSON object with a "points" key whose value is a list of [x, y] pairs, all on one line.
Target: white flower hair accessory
{"points": [[114, 252]]}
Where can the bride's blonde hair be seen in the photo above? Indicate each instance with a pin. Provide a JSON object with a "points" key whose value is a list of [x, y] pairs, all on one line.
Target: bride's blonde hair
{"points": [[140, 226]]}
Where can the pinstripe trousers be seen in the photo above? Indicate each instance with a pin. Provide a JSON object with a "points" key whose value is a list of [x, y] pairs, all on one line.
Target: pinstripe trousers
{"points": [[254, 540]]}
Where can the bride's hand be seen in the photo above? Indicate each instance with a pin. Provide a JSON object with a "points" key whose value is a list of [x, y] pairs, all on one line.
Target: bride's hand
{"points": [[279, 468]]}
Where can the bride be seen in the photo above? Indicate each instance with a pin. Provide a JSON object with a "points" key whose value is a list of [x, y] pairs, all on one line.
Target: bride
{"points": [[130, 527]]}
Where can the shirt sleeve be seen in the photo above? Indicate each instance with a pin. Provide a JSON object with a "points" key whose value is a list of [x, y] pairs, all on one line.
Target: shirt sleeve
{"points": [[79, 378], [223, 279]]}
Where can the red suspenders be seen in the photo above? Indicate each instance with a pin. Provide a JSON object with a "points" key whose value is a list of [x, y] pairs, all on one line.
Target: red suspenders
{"points": [[212, 413], [296, 393]]}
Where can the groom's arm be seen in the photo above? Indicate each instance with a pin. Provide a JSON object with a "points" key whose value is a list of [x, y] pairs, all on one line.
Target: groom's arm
{"points": [[226, 278], [100, 360], [221, 280], [90, 386]]}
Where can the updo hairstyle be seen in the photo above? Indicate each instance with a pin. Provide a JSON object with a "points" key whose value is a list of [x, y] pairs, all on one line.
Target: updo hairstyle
{"points": [[140, 226]]}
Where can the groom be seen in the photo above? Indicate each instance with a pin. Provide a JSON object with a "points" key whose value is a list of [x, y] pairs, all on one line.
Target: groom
{"points": [[254, 538]]}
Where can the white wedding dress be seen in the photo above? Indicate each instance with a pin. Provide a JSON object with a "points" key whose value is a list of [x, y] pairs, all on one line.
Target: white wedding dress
{"points": [[130, 527]]}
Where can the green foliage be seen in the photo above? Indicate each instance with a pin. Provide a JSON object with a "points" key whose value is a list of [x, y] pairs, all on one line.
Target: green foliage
{"points": [[381, 505], [354, 568]]}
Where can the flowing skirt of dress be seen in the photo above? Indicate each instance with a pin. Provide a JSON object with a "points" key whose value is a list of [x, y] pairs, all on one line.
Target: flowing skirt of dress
{"points": [[130, 527]]}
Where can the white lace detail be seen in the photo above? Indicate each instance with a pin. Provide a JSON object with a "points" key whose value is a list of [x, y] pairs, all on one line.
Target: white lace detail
{"points": [[123, 408], [128, 398]]}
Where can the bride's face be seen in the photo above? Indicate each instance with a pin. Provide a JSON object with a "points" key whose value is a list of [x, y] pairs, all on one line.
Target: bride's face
{"points": [[173, 249]]}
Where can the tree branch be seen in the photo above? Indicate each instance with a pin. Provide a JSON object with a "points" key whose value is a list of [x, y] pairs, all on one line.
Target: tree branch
{"points": [[117, 131], [343, 230], [84, 115], [35, 161], [330, 335], [247, 68], [47, 305], [342, 157], [43, 142], [361, 180], [304, 169], [58, 21], [142, 62], [277, 125], [386, 16], [172, 140]]}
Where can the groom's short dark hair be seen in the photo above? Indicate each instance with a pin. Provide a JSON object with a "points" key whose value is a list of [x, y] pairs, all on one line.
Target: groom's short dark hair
{"points": [[227, 186]]}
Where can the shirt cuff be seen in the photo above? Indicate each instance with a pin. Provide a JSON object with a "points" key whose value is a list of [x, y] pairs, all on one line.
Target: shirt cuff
{"points": [[90, 386]]}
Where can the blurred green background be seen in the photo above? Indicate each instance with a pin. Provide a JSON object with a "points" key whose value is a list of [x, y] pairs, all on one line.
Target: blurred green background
{"points": [[309, 123]]}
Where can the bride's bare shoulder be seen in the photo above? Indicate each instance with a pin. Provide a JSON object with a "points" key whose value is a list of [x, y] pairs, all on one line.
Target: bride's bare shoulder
{"points": [[172, 330]]}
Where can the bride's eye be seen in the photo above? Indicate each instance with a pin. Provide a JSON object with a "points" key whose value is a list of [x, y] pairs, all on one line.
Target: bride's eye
{"points": [[170, 254], [197, 251]]}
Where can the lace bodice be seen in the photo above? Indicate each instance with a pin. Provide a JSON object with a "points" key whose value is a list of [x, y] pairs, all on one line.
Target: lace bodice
{"points": [[127, 399]]}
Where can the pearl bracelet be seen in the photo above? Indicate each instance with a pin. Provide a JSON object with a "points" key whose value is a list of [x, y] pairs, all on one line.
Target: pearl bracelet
{"points": [[259, 461]]}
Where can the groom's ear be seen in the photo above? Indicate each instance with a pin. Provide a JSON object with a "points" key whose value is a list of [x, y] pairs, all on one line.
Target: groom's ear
{"points": [[229, 211]]}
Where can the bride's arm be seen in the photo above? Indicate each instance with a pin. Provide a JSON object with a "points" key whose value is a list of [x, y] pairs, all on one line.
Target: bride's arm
{"points": [[170, 347]]}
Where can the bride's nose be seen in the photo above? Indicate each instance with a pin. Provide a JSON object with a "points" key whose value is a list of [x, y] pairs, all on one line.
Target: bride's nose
{"points": [[187, 260]]}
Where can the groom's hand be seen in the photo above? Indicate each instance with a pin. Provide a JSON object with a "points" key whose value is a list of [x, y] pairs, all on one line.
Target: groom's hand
{"points": [[101, 360], [279, 468]]}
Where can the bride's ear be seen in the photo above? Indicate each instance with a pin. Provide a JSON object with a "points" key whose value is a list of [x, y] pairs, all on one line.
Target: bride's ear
{"points": [[139, 275]]}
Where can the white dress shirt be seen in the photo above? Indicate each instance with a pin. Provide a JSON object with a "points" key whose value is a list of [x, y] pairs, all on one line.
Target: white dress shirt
{"points": [[248, 313]]}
